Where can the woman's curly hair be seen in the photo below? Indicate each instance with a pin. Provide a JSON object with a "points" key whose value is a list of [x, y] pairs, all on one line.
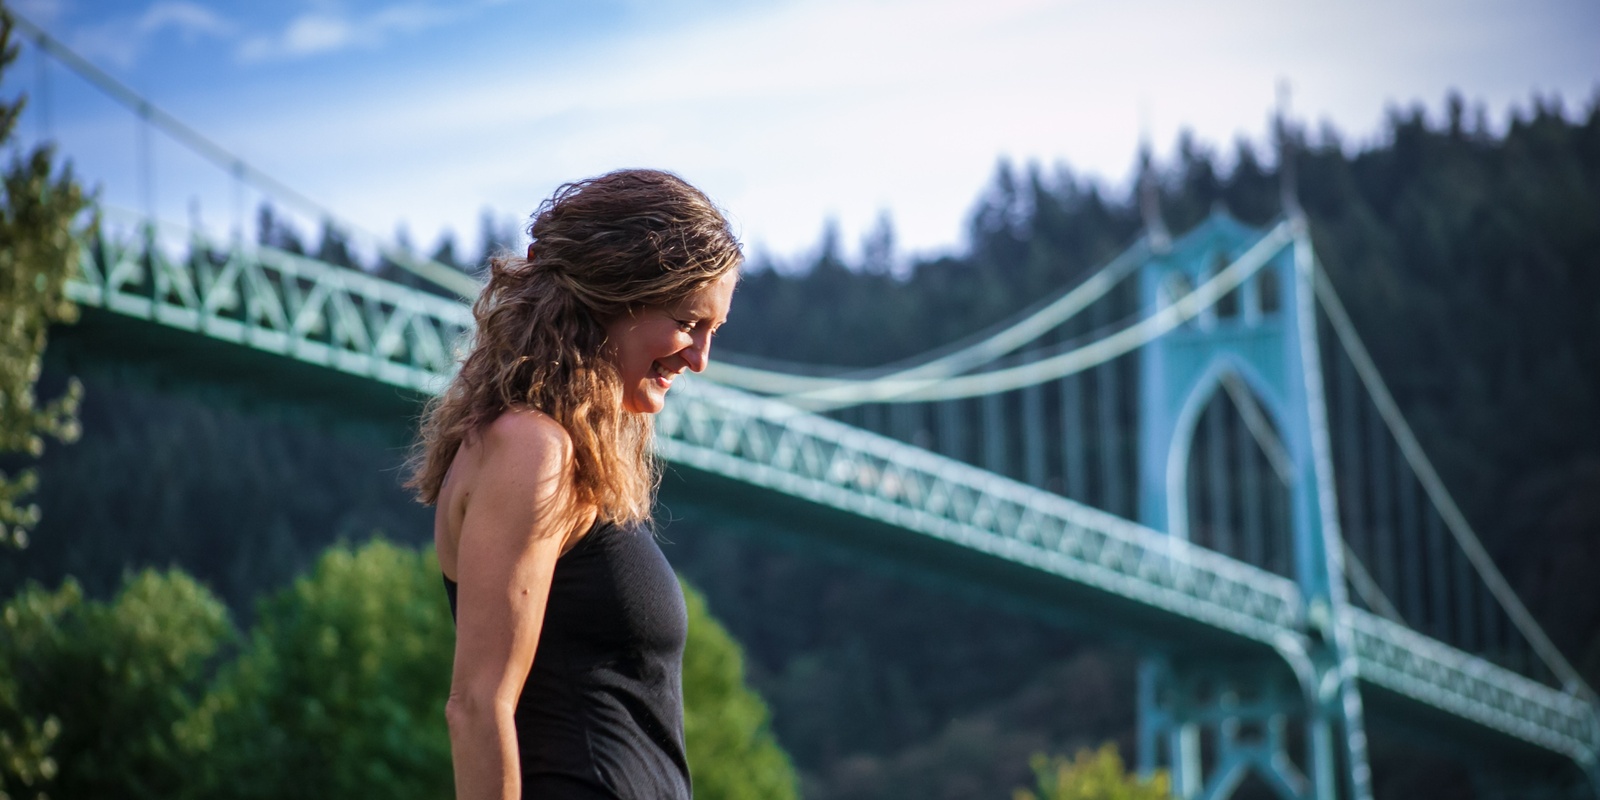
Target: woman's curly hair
{"points": [[601, 248]]}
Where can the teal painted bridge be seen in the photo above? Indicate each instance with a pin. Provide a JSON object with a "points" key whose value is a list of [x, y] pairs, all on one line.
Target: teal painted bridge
{"points": [[1239, 649], [1190, 451]]}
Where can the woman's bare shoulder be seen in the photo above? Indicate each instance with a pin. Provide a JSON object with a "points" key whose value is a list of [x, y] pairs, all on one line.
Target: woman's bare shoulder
{"points": [[518, 439], [526, 435], [519, 452], [519, 445], [514, 472]]}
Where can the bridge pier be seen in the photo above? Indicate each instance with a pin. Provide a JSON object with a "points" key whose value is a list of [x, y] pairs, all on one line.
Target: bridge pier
{"points": [[1215, 725]]}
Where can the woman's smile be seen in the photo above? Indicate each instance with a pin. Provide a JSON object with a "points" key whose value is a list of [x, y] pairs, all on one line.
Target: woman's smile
{"points": [[653, 345]]}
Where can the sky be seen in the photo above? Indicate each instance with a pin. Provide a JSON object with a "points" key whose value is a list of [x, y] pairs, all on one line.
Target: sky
{"points": [[422, 115]]}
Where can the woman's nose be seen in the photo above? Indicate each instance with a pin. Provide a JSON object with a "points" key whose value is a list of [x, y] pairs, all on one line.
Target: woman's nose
{"points": [[697, 354]]}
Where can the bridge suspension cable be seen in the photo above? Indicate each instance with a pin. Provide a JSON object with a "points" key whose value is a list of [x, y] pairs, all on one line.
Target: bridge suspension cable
{"points": [[1277, 456], [1454, 520], [895, 389], [426, 268], [985, 350]]}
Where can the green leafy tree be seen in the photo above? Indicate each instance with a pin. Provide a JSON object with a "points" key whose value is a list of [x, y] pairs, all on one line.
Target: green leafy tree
{"points": [[39, 231], [340, 688], [111, 682], [732, 752], [26, 765], [1097, 775], [340, 692]]}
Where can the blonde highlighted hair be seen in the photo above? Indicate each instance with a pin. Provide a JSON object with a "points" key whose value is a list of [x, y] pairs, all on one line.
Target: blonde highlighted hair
{"points": [[602, 247]]}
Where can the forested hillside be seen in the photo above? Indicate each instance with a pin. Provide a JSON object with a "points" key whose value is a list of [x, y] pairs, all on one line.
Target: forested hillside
{"points": [[1470, 260]]}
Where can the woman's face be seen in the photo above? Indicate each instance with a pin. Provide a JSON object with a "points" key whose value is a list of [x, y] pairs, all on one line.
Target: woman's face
{"points": [[655, 344]]}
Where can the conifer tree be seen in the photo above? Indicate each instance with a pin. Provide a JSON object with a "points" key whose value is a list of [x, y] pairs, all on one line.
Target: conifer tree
{"points": [[39, 235]]}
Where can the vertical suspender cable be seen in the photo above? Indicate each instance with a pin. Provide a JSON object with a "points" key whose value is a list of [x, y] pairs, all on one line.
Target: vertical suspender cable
{"points": [[238, 203], [1382, 508], [872, 419], [1033, 435], [994, 434], [1352, 498], [1073, 439], [1109, 422], [146, 177], [1438, 570], [1454, 520], [1251, 530], [1268, 443], [1493, 630], [1411, 545], [1216, 455], [946, 416], [432, 271], [1105, 349], [42, 101], [1466, 614]]}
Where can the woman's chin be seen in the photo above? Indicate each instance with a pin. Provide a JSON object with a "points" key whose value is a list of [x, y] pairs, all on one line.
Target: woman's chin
{"points": [[646, 402]]}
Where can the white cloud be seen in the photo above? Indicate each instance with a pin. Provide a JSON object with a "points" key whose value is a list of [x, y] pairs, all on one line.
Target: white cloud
{"points": [[330, 30], [121, 42], [796, 111], [190, 19]]}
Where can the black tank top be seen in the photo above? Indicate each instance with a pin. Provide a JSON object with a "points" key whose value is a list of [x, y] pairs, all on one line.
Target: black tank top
{"points": [[601, 714]]}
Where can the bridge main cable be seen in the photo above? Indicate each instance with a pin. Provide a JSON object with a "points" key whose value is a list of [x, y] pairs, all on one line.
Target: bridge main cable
{"points": [[1455, 521], [897, 389], [427, 269], [986, 349]]}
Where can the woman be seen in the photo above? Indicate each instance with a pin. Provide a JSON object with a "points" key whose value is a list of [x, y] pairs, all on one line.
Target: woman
{"points": [[570, 624]]}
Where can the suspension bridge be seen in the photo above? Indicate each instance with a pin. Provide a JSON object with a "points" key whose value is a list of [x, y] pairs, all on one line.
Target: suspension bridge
{"points": [[1190, 451]]}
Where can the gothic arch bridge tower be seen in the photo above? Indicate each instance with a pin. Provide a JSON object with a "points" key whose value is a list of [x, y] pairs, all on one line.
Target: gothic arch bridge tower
{"points": [[1247, 369]]}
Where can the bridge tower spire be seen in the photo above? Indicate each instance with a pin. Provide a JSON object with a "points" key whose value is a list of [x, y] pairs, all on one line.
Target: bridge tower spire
{"points": [[1259, 349], [1155, 227], [1288, 172]]}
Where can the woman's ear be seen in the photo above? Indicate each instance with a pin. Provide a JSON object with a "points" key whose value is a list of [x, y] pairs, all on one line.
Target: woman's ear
{"points": [[530, 251]]}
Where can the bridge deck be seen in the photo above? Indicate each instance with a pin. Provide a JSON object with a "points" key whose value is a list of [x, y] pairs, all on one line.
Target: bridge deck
{"points": [[328, 318]]}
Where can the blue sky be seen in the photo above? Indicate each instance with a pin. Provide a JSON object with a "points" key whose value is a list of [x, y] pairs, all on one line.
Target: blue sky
{"points": [[423, 113]]}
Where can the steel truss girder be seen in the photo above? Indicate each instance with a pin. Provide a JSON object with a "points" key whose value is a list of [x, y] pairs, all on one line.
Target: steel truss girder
{"points": [[280, 303], [770, 444], [346, 320], [1426, 669]]}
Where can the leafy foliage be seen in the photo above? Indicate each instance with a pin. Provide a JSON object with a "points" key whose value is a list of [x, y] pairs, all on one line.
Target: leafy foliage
{"points": [[339, 691], [1097, 775], [732, 752], [38, 252], [1468, 257], [111, 682]]}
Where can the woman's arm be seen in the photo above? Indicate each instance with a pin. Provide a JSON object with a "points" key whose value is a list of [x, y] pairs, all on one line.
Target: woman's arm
{"points": [[515, 523]]}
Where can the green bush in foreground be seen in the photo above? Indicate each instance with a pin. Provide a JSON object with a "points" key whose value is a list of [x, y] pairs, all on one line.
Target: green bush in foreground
{"points": [[111, 683], [1097, 775], [732, 752], [340, 688], [337, 691]]}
